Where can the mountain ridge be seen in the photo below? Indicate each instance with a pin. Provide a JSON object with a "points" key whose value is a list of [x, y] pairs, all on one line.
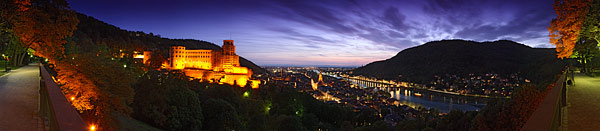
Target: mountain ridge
{"points": [[460, 57]]}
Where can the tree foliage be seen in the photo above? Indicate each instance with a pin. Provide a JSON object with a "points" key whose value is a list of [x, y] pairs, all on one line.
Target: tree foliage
{"points": [[591, 25], [165, 100], [510, 114], [98, 85], [41, 25], [220, 116], [586, 47], [566, 27]]}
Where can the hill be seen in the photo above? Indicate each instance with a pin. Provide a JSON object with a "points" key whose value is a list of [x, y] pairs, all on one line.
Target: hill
{"points": [[460, 57], [92, 30]]}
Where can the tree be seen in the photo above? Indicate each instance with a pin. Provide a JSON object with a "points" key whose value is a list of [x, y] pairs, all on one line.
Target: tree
{"points": [[585, 50], [286, 123], [510, 114], [43, 25], [164, 100], [8, 10], [591, 25], [97, 85], [587, 46], [156, 60], [220, 116], [565, 28]]}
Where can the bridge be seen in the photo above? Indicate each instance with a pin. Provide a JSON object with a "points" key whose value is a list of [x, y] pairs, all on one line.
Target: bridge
{"points": [[32, 101]]}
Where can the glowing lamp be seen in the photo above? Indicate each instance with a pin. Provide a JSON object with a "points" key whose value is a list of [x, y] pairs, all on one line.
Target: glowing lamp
{"points": [[92, 127], [72, 98], [246, 94]]}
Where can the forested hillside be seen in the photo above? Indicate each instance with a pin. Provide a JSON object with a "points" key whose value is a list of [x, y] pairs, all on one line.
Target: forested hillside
{"points": [[460, 57], [92, 30]]}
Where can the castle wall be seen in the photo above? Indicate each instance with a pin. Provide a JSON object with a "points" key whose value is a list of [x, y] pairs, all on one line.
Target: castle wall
{"points": [[215, 66], [199, 59]]}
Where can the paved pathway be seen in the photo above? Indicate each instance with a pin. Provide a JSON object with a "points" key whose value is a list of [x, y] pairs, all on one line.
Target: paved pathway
{"points": [[583, 104], [19, 100]]}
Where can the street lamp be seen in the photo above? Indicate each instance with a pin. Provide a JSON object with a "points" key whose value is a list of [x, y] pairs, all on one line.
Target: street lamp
{"points": [[5, 63], [92, 127]]}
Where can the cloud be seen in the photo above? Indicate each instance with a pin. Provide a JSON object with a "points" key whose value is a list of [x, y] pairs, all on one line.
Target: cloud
{"points": [[393, 17], [349, 31]]}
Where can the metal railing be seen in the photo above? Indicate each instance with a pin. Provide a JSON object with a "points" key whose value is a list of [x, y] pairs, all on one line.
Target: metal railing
{"points": [[57, 113], [548, 115]]}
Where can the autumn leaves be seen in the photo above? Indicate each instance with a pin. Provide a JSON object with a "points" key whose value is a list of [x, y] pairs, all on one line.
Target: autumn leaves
{"points": [[566, 29]]}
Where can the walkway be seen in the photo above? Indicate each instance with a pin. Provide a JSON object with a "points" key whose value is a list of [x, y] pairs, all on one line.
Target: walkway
{"points": [[583, 104], [19, 99]]}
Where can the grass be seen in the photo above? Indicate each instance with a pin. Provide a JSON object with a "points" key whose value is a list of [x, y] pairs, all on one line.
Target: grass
{"points": [[596, 73], [3, 65]]}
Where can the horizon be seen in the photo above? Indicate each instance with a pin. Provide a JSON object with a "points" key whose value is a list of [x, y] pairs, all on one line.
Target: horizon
{"points": [[336, 33]]}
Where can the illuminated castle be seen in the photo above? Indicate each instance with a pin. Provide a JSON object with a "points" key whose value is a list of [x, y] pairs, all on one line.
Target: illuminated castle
{"points": [[221, 66]]}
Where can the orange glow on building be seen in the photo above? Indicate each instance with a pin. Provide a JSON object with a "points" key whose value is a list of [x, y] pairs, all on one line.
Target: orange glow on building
{"points": [[138, 56], [221, 66]]}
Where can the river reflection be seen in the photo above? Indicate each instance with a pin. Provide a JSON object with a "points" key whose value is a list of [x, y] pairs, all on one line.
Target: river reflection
{"points": [[443, 103], [407, 97]]}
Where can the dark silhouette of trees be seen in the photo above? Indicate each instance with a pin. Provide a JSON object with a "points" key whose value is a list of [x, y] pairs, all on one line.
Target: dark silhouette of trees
{"points": [[165, 100], [510, 114], [220, 115]]}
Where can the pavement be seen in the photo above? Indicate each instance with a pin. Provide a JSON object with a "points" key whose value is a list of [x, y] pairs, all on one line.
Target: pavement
{"points": [[19, 100], [583, 104]]}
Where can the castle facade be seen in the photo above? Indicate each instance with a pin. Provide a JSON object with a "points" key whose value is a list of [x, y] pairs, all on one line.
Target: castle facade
{"points": [[222, 66]]}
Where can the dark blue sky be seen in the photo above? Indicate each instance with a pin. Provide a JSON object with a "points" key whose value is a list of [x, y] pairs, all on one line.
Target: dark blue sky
{"points": [[328, 32]]}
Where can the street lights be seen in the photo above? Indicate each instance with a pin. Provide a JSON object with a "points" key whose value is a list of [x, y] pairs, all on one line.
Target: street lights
{"points": [[5, 63]]}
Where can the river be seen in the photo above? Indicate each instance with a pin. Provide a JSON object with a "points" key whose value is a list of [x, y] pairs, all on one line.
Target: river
{"points": [[428, 100], [442, 102]]}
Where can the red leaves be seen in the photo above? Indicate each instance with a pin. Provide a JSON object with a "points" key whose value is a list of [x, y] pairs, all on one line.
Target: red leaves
{"points": [[44, 29], [564, 30]]}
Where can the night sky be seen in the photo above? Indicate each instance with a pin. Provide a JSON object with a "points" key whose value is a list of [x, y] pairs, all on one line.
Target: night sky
{"points": [[328, 32]]}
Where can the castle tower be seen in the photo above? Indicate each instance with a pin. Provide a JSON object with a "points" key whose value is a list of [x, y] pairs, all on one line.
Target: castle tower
{"points": [[228, 47], [177, 55], [228, 59]]}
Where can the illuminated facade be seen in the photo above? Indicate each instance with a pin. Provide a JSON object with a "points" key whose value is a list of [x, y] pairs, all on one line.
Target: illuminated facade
{"points": [[315, 85], [222, 66]]}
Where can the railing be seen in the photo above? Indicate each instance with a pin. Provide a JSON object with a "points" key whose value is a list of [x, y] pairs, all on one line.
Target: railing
{"points": [[548, 115], [56, 111]]}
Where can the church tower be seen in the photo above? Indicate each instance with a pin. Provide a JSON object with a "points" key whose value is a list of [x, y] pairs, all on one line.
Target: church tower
{"points": [[320, 77]]}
